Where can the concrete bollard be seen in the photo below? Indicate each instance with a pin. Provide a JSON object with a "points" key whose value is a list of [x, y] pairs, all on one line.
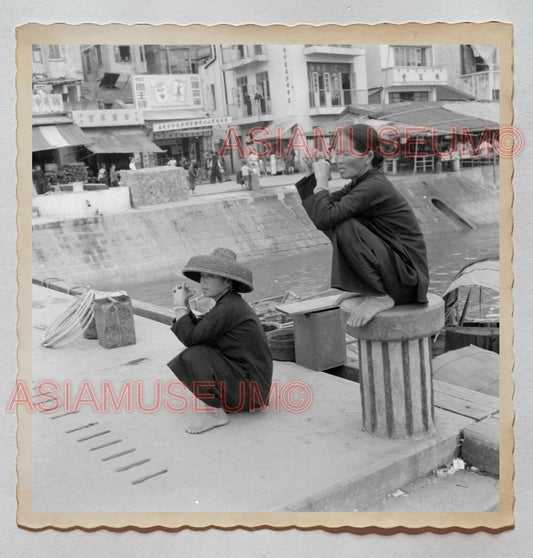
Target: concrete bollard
{"points": [[395, 368]]}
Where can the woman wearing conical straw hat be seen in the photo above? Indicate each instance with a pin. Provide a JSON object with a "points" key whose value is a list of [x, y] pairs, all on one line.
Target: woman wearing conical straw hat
{"points": [[227, 364]]}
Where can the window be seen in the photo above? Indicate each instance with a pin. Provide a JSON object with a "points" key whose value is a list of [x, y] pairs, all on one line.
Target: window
{"points": [[54, 52], [405, 96], [240, 51], [123, 53], [495, 94], [99, 56], [262, 92], [244, 95], [37, 55], [330, 85], [412, 56], [212, 96], [87, 59]]}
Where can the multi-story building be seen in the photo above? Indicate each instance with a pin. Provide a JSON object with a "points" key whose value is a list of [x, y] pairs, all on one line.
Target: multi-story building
{"points": [[401, 73], [57, 76], [480, 71], [281, 86], [57, 69], [140, 77]]}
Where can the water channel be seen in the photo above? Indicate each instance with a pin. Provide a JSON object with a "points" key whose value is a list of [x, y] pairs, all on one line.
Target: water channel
{"points": [[309, 271]]}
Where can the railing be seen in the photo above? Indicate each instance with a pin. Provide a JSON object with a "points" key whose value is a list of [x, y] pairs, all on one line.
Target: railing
{"points": [[347, 50], [332, 98], [482, 84], [255, 107], [245, 55]]}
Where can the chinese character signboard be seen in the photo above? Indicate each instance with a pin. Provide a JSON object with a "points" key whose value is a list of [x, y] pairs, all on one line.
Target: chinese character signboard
{"points": [[113, 117], [47, 103], [191, 123], [176, 91]]}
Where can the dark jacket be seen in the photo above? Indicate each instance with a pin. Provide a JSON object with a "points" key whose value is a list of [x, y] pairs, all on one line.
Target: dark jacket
{"points": [[234, 329], [375, 202]]}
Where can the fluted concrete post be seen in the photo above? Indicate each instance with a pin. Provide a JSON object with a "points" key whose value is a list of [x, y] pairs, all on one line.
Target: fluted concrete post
{"points": [[395, 368]]}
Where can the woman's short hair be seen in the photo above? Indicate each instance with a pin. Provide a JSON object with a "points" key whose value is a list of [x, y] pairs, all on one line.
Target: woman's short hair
{"points": [[365, 139]]}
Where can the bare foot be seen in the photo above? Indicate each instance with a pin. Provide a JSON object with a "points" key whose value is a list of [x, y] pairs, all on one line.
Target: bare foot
{"points": [[202, 421], [370, 306]]}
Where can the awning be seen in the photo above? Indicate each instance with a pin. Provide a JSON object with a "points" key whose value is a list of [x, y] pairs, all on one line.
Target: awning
{"points": [[120, 139], [483, 273], [56, 136]]}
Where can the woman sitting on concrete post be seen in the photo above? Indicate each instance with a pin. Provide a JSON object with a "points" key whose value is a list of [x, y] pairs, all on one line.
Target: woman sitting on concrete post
{"points": [[227, 364], [379, 252]]}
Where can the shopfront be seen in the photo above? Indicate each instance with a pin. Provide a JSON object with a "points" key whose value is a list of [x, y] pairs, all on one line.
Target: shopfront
{"points": [[114, 137], [187, 138]]}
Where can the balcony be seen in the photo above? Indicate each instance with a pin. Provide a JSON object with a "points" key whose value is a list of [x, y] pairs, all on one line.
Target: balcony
{"points": [[322, 101], [244, 55], [254, 111], [415, 75], [337, 50], [482, 85]]}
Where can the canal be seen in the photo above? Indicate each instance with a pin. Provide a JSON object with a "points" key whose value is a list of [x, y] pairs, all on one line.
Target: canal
{"points": [[308, 272]]}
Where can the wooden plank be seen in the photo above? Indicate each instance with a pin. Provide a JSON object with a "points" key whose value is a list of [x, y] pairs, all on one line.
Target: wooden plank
{"points": [[461, 407], [481, 445], [466, 394], [309, 306]]}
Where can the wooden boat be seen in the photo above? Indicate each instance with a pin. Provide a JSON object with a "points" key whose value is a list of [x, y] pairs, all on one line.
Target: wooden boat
{"points": [[472, 307]]}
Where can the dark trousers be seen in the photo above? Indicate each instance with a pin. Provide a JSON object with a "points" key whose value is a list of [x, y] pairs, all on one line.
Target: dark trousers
{"points": [[364, 263], [212, 379], [216, 175]]}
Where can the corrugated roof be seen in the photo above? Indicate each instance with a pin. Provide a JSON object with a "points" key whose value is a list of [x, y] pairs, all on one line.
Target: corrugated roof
{"points": [[436, 117]]}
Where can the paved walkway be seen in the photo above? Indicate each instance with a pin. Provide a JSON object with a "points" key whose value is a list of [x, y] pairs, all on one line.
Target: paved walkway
{"points": [[318, 459]]}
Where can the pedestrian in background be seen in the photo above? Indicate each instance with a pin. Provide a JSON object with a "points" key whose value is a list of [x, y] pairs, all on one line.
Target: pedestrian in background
{"points": [[113, 176], [246, 175], [102, 174], [193, 174], [216, 174], [39, 180]]}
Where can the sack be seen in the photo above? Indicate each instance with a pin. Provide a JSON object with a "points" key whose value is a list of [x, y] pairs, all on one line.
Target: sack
{"points": [[113, 315]]}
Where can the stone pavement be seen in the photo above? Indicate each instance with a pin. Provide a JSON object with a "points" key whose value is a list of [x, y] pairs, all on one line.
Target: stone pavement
{"points": [[318, 459]]}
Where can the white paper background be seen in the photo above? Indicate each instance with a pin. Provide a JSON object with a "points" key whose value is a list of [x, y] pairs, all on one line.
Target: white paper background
{"points": [[16, 542]]}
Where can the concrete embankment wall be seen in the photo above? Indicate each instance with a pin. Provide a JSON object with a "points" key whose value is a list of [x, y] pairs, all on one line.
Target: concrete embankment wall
{"points": [[145, 244], [470, 195], [150, 243]]}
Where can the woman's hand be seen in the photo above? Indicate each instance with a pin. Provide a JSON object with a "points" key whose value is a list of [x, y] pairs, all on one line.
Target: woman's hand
{"points": [[308, 166], [322, 173], [181, 295]]}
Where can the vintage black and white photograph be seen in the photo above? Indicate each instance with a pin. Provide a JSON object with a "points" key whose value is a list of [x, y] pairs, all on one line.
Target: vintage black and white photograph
{"points": [[265, 277]]}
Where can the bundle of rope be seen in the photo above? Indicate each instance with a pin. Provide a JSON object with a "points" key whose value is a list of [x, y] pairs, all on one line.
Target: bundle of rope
{"points": [[71, 323]]}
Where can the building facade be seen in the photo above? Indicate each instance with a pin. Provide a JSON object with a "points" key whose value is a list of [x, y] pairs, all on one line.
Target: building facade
{"points": [[280, 87], [480, 71]]}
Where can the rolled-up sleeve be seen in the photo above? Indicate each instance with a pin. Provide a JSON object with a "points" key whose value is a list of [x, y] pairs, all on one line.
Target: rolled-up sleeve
{"points": [[191, 331], [327, 212]]}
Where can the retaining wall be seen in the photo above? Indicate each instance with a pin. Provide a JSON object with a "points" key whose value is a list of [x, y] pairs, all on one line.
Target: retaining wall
{"points": [[155, 185], [150, 243]]}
